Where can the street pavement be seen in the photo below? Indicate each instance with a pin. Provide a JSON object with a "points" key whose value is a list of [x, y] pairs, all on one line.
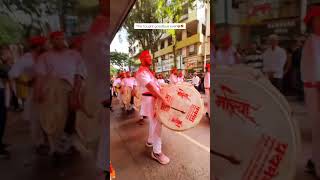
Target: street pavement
{"points": [[189, 151], [25, 164], [300, 116]]}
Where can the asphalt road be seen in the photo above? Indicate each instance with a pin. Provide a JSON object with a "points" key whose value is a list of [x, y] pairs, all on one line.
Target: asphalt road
{"points": [[189, 151]]}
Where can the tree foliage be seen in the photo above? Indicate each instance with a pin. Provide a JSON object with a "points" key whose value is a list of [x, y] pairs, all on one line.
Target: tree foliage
{"points": [[10, 32], [119, 59], [143, 12], [35, 13]]}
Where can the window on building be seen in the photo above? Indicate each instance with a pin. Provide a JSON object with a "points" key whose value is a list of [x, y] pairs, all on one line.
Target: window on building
{"points": [[192, 49], [203, 29], [163, 58], [185, 9], [161, 44], [170, 41], [179, 35]]}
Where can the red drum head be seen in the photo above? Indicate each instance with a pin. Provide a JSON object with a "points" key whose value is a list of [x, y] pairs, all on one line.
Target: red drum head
{"points": [[186, 110]]}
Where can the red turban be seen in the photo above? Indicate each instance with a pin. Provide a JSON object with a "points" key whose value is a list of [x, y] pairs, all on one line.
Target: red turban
{"points": [[145, 55], [312, 12], [37, 41], [174, 70], [77, 41], [226, 39], [56, 34]]}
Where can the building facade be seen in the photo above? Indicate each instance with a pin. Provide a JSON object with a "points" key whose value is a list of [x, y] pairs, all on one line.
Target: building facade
{"points": [[192, 44], [255, 20]]}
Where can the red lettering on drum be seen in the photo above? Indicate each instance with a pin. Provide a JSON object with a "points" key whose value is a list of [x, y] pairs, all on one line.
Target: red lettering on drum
{"points": [[234, 106], [265, 163], [183, 94], [166, 108], [177, 122], [193, 112]]}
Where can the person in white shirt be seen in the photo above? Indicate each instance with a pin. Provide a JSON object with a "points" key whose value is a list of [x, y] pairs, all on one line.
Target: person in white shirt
{"points": [[274, 60], [60, 75], [226, 55], [128, 83], [207, 88], [196, 81], [160, 79], [26, 66], [180, 77], [174, 76], [310, 75], [121, 95], [116, 84], [150, 90]]}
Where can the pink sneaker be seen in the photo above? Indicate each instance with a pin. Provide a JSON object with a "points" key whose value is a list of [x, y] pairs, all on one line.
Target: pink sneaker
{"points": [[161, 158]]}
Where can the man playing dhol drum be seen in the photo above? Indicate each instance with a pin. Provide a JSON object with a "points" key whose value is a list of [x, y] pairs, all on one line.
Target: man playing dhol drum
{"points": [[150, 90]]}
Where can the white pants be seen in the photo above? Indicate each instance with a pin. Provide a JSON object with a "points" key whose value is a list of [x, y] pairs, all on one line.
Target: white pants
{"points": [[207, 92], [155, 126], [312, 98], [154, 137]]}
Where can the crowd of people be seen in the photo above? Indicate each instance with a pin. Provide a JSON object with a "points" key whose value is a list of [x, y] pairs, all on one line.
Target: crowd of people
{"points": [[54, 74], [280, 64], [138, 91]]}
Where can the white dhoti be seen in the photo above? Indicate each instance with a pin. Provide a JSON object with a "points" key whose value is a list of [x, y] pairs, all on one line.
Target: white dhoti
{"points": [[137, 100], [155, 126], [31, 114], [207, 93], [312, 98], [53, 113], [126, 98]]}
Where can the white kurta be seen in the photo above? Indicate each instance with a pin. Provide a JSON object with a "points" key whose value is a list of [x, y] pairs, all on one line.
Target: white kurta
{"points": [[196, 81], [226, 57], [310, 72], [274, 61], [173, 79], [25, 65], [143, 78]]}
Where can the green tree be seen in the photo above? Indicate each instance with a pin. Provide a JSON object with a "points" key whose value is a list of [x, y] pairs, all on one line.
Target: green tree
{"points": [[120, 59], [144, 12], [10, 32], [36, 10]]}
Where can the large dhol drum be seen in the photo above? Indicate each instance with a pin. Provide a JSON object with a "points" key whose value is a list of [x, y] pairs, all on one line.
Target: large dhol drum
{"points": [[254, 132], [186, 109]]}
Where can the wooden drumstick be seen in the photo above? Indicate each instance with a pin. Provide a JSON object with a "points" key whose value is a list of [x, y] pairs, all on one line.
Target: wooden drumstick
{"points": [[231, 159], [177, 110]]}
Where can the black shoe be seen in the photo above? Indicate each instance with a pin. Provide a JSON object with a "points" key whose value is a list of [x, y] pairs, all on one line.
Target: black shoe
{"points": [[310, 167], [4, 154]]}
